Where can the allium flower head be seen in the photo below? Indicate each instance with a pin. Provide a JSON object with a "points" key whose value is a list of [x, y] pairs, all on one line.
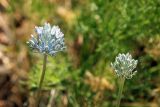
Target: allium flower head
{"points": [[49, 40], [124, 65]]}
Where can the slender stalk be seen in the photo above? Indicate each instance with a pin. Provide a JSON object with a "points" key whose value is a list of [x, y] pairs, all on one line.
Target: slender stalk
{"points": [[41, 80], [121, 85]]}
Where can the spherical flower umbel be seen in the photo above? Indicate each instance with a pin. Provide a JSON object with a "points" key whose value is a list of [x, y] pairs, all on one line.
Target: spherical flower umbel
{"points": [[49, 40], [124, 65]]}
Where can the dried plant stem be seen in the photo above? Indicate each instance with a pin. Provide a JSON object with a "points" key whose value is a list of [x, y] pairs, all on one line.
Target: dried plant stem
{"points": [[121, 85], [41, 80]]}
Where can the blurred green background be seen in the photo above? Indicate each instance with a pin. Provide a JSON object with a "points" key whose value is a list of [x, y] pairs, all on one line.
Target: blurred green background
{"points": [[95, 32]]}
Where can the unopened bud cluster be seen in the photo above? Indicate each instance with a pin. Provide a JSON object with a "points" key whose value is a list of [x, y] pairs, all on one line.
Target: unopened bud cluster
{"points": [[124, 65]]}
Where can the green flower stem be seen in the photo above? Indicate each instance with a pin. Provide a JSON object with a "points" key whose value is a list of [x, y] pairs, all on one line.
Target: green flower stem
{"points": [[41, 80], [121, 85]]}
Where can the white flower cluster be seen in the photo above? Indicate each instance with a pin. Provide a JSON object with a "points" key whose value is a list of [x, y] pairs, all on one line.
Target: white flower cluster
{"points": [[49, 40], [124, 65]]}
